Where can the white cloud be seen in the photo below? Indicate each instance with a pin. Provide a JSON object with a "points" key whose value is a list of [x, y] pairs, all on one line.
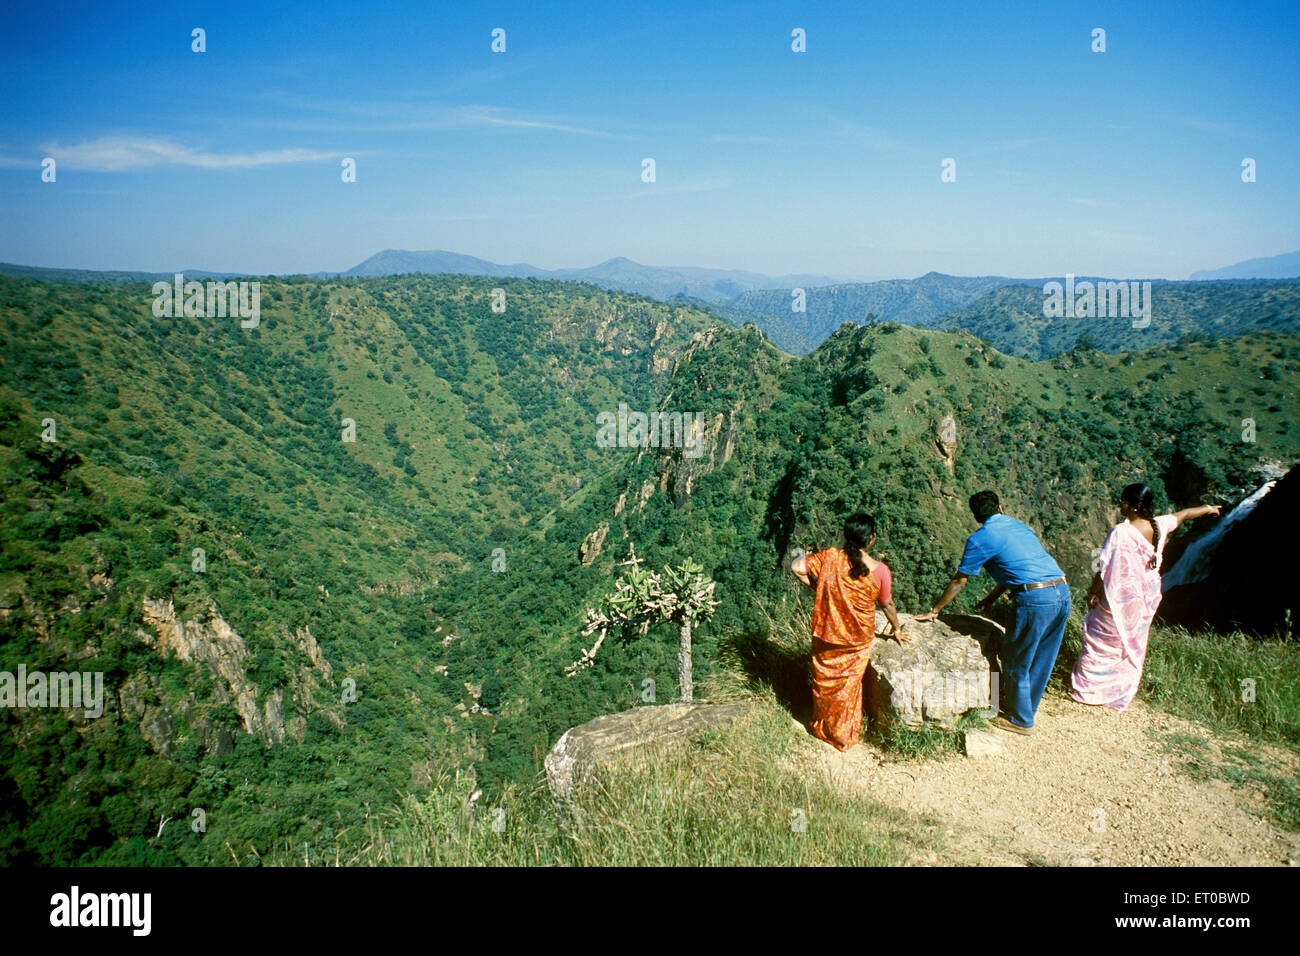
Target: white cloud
{"points": [[398, 116], [497, 116], [112, 154]]}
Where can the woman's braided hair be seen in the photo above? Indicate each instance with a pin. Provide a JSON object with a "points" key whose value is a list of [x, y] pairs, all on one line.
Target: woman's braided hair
{"points": [[1142, 499], [858, 530]]}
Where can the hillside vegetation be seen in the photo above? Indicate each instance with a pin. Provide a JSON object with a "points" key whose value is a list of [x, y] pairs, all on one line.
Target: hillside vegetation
{"points": [[173, 435], [795, 445], [1009, 313], [435, 562]]}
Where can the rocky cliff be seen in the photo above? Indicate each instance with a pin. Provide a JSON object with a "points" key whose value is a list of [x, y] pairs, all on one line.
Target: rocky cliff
{"points": [[210, 642]]}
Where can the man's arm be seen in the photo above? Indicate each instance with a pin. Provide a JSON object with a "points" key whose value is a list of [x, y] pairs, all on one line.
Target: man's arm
{"points": [[986, 605], [954, 586]]}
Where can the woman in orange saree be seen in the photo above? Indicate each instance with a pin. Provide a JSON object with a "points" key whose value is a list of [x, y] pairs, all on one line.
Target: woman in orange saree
{"points": [[849, 585]]}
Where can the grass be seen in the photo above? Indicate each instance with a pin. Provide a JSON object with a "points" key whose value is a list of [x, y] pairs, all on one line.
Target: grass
{"points": [[1204, 677], [723, 801], [1241, 767], [1235, 684], [928, 742]]}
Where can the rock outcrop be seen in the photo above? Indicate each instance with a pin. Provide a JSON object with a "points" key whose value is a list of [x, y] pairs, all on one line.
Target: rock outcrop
{"points": [[633, 735], [214, 644], [945, 440], [589, 550], [938, 676]]}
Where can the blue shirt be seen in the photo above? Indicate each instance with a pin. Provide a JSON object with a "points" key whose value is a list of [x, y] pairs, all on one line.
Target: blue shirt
{"points": [[1012, 552]]}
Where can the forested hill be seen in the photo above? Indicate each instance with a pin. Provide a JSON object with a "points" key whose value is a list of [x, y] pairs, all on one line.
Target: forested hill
{"points": [[1012, 318], [796, 444], [827, 307], [1009, 313], [334, 623], [194, 460]]}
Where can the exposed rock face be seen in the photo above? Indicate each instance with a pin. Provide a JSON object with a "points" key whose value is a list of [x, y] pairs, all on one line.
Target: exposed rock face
{"points": [[1224, 579], [938, 676], [632, 735], [215, 645], [143, 704], [946, 441], [589, 550]]}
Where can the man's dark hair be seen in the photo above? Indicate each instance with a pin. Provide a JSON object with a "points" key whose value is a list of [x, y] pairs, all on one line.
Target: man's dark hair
{"points": [[984, 505]]}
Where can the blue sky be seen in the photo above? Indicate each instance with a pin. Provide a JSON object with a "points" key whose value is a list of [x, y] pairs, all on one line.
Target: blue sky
{"points": [[1124, 163]]}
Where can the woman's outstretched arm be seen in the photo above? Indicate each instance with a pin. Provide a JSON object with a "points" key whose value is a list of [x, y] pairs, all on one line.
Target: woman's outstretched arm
{"points": [[1189, 514]]}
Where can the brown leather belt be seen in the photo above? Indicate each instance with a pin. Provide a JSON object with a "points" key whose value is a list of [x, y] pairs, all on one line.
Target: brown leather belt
{"points": [[1020, 588]]}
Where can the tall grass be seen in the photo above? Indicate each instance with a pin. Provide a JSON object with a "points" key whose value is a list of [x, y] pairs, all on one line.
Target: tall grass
{"points": [[1203, 677], [729, 800], [1199, 676], [724, 801]]}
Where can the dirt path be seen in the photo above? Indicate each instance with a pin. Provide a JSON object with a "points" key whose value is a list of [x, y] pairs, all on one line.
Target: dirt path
{"points": [[1090, 787]]}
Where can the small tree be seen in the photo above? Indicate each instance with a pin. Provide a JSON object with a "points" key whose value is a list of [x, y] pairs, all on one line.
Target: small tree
{"points": [[681, 595]]}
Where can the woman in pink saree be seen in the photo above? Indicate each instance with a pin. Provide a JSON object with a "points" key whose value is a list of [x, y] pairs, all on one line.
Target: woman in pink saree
{"points": [[1123, 600]]}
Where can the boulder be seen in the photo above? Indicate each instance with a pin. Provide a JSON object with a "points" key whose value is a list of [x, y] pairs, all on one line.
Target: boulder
{"points": [[938, 676], [981, 743], [631, 735]]}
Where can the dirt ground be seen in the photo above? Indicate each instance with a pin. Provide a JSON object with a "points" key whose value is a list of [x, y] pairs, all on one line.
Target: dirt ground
{"points": [[1090, 787]]}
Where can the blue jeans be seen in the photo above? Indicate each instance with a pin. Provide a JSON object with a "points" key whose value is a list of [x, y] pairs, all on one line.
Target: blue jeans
{"points": [[1029, 651]]}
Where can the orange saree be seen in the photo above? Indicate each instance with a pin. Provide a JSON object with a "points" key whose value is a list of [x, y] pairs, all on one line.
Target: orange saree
{"points": [[843, 627]]}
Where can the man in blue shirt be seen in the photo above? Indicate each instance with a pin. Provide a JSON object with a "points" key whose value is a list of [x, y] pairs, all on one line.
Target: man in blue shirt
{"points": [[1017, 561]]}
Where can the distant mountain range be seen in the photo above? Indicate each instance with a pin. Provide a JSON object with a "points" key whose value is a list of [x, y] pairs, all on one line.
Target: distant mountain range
{"points": [[826, 308], [95, 275], [1012, 317], [1006, 311], [619, 274], [1285, 266]]}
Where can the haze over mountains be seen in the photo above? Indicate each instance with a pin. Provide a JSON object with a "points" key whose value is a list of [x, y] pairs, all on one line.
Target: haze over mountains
{"points": [[1285, 266], [620, 273]]}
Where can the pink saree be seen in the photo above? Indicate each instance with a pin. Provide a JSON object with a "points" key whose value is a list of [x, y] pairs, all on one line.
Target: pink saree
{"points": [[1115, 631]]}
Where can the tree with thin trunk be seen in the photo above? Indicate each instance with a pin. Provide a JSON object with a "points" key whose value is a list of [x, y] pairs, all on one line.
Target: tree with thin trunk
{"points": [[679, 595]]}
